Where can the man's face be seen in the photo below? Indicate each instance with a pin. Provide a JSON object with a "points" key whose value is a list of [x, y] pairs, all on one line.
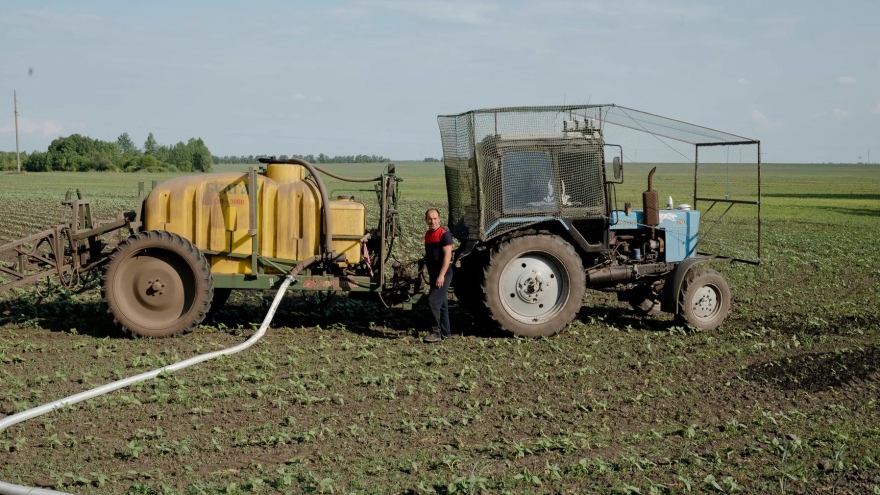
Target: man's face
{"points": [[432, 218]]}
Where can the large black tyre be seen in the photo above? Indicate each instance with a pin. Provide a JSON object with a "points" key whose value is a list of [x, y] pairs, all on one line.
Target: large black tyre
{"points": [[534, 285], [157, 284], [704, 300]]}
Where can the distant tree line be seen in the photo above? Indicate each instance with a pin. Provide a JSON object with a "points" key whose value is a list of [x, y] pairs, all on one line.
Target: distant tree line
{"points": [[321, 158], [77, 153], [7, 160]]}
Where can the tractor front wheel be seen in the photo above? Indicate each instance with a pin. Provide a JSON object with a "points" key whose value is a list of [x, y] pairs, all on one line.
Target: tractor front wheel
{"points": [[157, 284], [704, 300], [534, 285]]}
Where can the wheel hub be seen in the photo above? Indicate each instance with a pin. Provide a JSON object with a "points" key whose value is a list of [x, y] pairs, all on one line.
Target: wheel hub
{"points": [[705, 302], [155, 288], [530, 288], [531, 285]]}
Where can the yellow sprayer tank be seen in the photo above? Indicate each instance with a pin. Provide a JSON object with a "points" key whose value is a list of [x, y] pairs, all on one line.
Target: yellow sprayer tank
{"points": [[212, 211]]}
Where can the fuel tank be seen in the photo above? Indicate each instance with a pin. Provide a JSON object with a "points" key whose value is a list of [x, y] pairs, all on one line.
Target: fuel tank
{"points": [[212, 211]]}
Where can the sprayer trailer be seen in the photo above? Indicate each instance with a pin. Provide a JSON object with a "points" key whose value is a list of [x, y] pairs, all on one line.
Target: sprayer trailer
{"points": [[532, 199], [195, 239]]}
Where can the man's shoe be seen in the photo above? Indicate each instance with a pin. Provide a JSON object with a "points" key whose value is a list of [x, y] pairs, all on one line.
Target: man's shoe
{"points": [[434, 337], [447, 336]]}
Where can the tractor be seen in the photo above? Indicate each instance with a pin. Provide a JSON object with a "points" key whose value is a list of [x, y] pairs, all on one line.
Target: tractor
{"points": [[532, 200]]}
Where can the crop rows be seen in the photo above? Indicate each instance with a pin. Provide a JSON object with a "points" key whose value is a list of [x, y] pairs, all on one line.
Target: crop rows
{"points": [[342, 396]]}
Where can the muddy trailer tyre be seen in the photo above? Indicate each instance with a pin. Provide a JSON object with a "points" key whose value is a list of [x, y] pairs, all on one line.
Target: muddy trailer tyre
{"points": [[534, 285], [704, 300], [157, 284]]}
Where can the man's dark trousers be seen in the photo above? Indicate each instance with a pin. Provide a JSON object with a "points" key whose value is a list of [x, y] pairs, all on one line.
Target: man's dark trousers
{"points": [[440, 306]]}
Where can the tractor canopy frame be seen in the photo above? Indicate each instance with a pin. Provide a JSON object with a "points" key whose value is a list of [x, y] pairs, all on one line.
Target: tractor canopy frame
{"points": [[508, 168]]}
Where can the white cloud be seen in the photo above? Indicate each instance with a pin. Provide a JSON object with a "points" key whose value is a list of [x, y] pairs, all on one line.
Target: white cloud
{"points": [[460, 12], [846, 80], [26, 126], [876, 110], [764, 123], [742, 80], [839, 113]]}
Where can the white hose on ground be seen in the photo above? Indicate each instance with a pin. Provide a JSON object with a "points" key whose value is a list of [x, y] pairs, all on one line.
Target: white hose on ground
{"points": [[12, 489]]}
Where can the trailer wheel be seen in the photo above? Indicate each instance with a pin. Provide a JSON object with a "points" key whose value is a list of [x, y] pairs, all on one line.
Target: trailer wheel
{"points": [[704, 299], [157, 284], [534, 285]]}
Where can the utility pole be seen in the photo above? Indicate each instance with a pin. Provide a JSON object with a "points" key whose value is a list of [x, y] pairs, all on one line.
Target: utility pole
{"points": [[15, 105]]}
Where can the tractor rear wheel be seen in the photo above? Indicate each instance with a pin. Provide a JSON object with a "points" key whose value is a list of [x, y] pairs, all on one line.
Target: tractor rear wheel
{"points": [[157, 284], [704, 299], [534, 285]]}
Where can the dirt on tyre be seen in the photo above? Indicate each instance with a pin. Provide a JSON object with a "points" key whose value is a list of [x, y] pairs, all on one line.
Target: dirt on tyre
{"points": [[704, 300], [534, 285], [157, 284]]}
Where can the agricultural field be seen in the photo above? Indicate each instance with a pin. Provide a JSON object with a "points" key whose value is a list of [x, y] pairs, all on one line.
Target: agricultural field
{"points": [[341, 396]]}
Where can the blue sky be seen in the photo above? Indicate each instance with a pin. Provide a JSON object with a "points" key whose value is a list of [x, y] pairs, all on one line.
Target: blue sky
{"points": [[370, 76]]}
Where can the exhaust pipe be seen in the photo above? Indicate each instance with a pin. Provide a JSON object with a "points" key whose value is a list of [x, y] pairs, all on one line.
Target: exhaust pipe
{"points": [[651, 202]]}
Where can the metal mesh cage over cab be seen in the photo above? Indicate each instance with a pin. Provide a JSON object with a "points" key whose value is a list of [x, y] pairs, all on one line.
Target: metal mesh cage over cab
{"points": [[508, 168]]}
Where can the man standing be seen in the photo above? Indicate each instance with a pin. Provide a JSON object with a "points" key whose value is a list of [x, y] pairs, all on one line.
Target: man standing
{"points": [[438, 260]]}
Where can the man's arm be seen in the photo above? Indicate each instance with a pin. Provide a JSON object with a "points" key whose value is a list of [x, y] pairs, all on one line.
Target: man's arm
{"points": [[447, 259]]}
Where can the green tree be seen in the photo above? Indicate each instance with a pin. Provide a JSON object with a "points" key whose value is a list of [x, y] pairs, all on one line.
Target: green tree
{"points": [[7, 160], [37, 162], [180, 157], [200, 155], [126, 145], [163, 154], [144, 163], [81, 153], [150, 145]]}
